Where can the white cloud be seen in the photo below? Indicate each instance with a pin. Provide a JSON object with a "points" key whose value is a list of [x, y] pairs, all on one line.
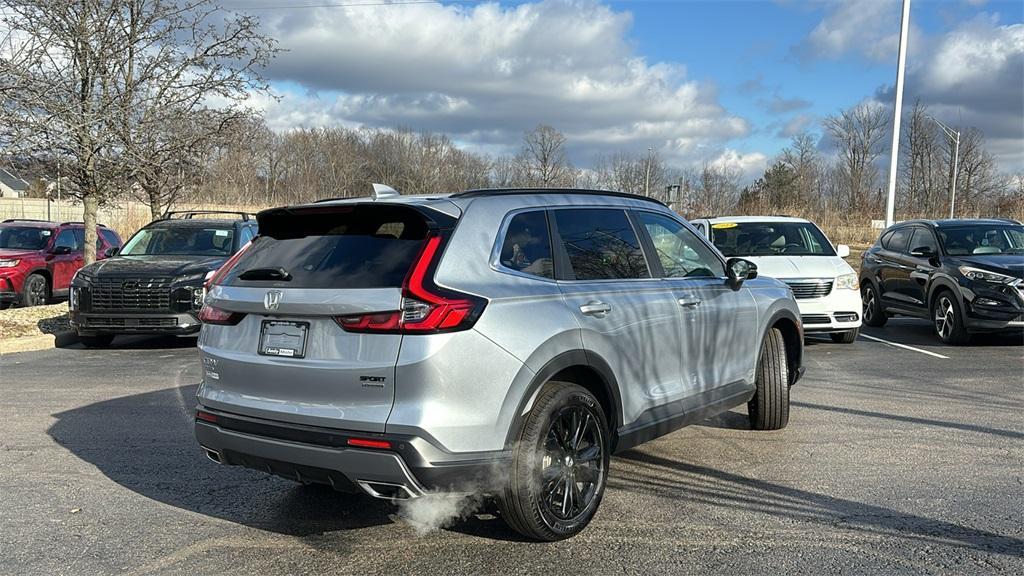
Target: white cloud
{"points": [[870, 28], [751, 165], [974, 76], [486, 73]]}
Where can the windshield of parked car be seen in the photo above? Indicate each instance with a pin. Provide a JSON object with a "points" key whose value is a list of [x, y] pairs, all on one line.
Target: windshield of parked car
{"points": [[24, 237], [180, 241], [983, 239], [770, 239]]}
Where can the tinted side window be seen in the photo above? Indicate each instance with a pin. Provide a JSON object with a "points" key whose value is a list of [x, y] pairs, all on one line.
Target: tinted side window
{"points": [[898, 240], [110, 237], [527, 246], [67, 239], [600, 244], [681, 253], [924, 241]]}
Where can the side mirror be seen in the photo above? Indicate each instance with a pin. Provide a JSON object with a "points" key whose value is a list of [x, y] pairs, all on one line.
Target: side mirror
{"points": [[61, 250], [737, 270], [112, 251], [922, 252], [842, 250]]}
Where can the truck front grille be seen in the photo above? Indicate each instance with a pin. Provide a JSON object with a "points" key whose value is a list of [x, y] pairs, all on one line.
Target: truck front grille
{"points": [[131, 293]]}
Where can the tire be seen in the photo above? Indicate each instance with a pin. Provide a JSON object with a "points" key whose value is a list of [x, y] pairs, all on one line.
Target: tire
{"points": [[845, 337], [872, 314], [540, 509], [5, 305], [97, 341], [769, 408], [948, 319], [35, 291]]}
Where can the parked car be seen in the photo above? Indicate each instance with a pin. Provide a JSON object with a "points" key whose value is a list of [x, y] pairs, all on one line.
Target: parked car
{"points": [[155, 283], [797, 252], [38, 258], [498, 342], [967, 276]]}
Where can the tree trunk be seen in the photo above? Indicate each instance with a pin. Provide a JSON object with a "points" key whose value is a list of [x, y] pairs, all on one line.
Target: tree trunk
{"points": [[91, 207]]}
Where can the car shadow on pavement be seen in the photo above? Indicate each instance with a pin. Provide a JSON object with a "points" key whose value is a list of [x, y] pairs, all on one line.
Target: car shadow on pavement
{"points": [[663, 477], [914, 420], [917, 332], [144, 442], [140, 342], [731, 420]]}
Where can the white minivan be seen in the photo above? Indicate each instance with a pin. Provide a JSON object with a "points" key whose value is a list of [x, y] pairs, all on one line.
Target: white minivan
{"points": [[797, 252]]}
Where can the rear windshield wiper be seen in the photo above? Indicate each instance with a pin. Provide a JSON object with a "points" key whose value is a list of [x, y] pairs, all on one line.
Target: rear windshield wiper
{"points": [[279, 274]]}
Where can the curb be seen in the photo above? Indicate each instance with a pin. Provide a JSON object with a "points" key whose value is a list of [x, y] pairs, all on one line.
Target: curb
{"points": [[35, 343]]}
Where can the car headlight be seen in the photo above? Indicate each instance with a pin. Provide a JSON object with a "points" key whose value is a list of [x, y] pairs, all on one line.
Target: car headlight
{"points": [[985, 275], [74, 296], [9, 263], [848, 282]]}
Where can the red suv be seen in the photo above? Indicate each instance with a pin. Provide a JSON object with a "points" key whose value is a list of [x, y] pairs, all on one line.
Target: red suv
{"points": [[38, 258]]}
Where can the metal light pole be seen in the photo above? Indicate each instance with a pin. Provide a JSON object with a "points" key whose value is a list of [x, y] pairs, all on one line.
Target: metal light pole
{"points": [[890, 205], [953, 135], [647, 178]]}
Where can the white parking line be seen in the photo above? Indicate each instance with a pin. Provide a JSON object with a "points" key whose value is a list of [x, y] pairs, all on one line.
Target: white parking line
{"points": [[904, 346]]}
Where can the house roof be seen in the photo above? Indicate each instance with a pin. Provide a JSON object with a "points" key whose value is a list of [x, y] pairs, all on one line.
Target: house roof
{"points": [[12, 181]]}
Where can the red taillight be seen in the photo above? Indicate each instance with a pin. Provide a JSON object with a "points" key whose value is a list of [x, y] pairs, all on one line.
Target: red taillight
{"points": [[367, 443], [425, 308], [370, 322], [212, 315], [206, 416], [226, 267]]}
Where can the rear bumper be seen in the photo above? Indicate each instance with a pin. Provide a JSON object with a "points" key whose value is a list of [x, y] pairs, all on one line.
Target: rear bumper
{"points": [[88, 323], [311, 454]]}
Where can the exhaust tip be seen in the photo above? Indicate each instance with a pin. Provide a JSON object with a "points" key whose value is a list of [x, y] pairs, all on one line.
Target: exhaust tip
{"points": [[212, 455], [387, 490]]}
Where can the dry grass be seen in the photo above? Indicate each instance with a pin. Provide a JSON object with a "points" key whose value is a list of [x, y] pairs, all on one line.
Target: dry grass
{"points": [[19, 322]]}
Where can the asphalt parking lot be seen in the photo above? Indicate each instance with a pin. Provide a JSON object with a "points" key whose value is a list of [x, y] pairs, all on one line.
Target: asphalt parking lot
{"points": [[895, 460]]}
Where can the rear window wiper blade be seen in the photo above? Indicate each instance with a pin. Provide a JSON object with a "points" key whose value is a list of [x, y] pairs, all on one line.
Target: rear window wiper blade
{"points": [[279, 274]]}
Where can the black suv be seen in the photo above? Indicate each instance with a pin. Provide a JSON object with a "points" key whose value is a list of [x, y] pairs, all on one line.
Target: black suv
{"points": [[967, 276], [155, 284]]}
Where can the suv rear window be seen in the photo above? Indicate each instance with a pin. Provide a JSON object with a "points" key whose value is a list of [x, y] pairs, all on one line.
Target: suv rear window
{"points": [[600, 244], [337, 247]]}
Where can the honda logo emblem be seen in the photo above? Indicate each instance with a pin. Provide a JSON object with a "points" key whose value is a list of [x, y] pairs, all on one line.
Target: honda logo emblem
{"points": [[272, 300]]}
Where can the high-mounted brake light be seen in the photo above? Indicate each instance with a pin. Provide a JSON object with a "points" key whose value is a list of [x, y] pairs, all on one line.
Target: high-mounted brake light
{"points": [[426, 308], [212, 315]]}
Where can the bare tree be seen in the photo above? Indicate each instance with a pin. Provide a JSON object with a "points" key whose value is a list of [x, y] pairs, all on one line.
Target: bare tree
{"points": [[543, 157], [858, 132], [109, 85]]}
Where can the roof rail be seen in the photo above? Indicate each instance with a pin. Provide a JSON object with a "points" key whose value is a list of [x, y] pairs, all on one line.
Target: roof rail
{"points": [[190, 214], [101, 225], [25, 220], [519, 191]]}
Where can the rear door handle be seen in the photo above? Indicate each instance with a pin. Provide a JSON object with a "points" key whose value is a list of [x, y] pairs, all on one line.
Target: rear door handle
{"points": [[595, 308], [689, 303]]}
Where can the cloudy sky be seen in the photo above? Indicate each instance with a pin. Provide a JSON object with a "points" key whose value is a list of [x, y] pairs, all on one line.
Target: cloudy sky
{"points": [[720, 81]]}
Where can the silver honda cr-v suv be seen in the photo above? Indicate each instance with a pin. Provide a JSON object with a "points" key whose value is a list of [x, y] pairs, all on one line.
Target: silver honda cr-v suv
{"points": [[505, 342]]}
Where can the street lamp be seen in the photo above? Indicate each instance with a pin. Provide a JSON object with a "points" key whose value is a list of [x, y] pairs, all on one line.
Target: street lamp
{"points": [[647, 178], [953, 135]]}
